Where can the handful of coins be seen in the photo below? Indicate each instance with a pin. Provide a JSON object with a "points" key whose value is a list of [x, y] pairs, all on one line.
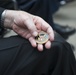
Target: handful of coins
{"points": [[42, 37]]}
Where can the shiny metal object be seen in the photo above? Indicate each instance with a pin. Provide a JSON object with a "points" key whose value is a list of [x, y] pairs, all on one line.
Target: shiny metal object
{"points": [[42, 37]]}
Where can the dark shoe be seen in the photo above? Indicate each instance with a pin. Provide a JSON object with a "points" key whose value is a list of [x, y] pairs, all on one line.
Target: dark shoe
{"points": [[64, 31]]}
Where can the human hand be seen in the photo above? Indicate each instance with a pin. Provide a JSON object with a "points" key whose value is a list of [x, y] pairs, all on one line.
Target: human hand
{"points": [[28, 26]]}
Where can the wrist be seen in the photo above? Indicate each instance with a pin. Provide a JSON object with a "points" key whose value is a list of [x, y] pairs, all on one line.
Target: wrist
{"points": [[7, 19]]}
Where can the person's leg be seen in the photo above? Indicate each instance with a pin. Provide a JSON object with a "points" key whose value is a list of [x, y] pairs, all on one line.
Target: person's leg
{"points": [[18, 57]]}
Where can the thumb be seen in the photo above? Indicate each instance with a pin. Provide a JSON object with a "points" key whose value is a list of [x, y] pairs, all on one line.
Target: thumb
{"points": [[31, 26]]}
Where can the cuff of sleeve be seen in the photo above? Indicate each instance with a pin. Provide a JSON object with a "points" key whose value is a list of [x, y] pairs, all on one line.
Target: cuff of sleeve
{"points": [[1, 11]]}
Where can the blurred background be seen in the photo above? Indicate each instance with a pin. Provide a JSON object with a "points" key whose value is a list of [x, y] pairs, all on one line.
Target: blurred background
{"points": [[66, 15]]}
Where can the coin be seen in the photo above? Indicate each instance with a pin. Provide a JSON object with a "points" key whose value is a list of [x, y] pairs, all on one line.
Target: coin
{"points": [[42, 37]]}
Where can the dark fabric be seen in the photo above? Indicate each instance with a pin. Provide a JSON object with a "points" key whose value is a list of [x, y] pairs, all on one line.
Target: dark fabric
{"points": [[1, 26], [1, 10], [18, 57], [54, 6], [7, 4]]}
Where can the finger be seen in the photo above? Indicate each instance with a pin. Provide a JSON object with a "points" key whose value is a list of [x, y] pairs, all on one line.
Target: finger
{"points": [[21, 31], [48, 45], [40, 47], [51, 33], [32, 41], [47, 28], [43, 25], [31, 26]]}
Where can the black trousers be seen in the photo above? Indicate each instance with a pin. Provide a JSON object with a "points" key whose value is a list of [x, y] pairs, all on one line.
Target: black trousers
{"points": [[18, 57]]}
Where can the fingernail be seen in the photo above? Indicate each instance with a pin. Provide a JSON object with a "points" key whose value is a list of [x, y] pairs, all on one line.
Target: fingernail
{"points": [[35, 33]]}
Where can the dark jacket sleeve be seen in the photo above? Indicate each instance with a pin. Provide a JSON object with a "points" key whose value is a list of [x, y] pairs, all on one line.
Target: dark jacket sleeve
{"points": [[1, 10]]}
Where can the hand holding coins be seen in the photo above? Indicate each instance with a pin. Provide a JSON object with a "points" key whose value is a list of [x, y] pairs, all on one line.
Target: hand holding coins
{"points": [[28, 26]]}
